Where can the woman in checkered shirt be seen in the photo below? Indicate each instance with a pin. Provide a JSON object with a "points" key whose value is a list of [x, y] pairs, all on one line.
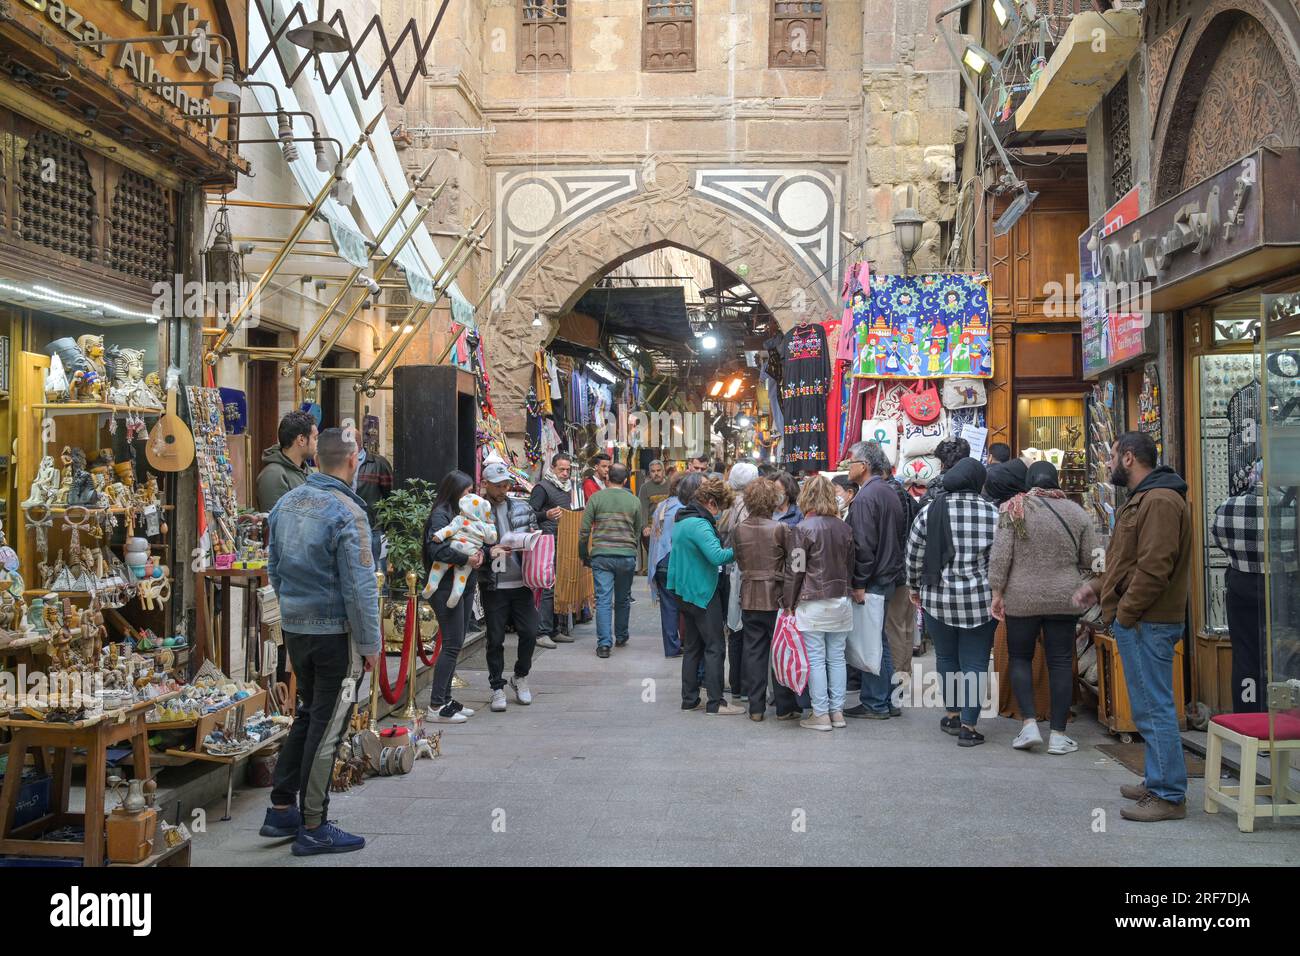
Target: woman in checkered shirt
{"points": [[948, 572]]}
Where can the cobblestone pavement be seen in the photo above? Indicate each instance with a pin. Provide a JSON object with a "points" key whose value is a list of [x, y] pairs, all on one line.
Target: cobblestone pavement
{"points": [[604, 768]]}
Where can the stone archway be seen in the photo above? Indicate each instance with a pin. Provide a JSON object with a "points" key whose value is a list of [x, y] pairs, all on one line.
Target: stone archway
{"points": [[1231, 84], [666, 213]]}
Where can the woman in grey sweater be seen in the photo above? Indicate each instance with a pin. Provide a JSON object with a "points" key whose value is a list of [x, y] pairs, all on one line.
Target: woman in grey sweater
{"points": [[1044, 548]]}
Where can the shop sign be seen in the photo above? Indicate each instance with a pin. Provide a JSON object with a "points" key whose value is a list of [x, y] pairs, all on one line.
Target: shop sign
{"points": [[1111, 336], [140, 63]]}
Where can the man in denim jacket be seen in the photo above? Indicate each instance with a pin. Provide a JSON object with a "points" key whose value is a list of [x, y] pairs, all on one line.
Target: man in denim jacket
{"points": [[322, 567]]}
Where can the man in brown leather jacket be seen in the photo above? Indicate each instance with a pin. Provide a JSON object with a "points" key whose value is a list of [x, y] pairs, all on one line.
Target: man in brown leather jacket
{"points": [[1143, 596]]}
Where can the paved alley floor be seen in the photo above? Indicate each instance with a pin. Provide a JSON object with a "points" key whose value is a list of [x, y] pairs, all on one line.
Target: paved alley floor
{"points": [[605, 769]]}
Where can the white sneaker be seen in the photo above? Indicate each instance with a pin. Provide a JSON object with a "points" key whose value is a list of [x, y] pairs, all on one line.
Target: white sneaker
{"points": [[1061, 744], [522, 694], [446, 714], [1028, 738], [498, 704], [544, 641], [462, 709]]}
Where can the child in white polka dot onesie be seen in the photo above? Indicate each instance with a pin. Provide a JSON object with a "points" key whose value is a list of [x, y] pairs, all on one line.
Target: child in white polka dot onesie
{"points": [[469, 531]]}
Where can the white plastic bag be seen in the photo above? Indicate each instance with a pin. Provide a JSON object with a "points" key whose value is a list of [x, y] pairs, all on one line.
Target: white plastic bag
{"points": [[734, 621], [864, 649]]}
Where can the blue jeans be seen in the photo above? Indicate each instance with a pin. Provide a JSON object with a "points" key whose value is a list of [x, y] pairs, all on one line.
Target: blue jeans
{"points": [[613, 574], [1147, 653], [827, 672], [961, 656]]}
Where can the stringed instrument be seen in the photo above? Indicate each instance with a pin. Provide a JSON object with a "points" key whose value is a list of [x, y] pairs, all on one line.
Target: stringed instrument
{"points": [[171, 443]]}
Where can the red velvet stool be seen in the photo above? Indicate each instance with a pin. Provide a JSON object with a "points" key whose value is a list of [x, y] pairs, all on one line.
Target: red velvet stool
{"points": [[1250, 733]]}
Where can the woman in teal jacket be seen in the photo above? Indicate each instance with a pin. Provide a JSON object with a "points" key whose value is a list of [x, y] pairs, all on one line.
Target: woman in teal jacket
{"points": [[693, 577]]}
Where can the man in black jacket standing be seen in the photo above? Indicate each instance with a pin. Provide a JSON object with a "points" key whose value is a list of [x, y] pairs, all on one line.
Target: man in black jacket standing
{"points": [[552, 494], [876, 515]]}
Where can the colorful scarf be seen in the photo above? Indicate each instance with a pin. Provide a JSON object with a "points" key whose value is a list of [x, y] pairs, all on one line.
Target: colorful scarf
{"points": [[1013, 510]]}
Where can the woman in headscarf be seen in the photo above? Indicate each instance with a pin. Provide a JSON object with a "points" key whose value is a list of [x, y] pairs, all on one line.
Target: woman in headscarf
{"points": [[1004, 481], [1042, 552], [948, 572]]}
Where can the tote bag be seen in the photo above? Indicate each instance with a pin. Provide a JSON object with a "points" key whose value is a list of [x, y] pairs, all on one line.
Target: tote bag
{"points": [[921, 439], [789, 656], [963, 393], [884, 432], [539, 564]]}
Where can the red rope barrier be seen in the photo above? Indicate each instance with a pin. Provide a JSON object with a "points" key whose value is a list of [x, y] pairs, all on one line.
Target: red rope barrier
{"points": [[391, 695], [437, 649]]}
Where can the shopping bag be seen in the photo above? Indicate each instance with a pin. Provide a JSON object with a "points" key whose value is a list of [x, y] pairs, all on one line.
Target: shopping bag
{"points": [[789, 656], [963, 393], [863, 650], [922, 405], [919, 439], [539, 563], [735, 623], [884, 432]]}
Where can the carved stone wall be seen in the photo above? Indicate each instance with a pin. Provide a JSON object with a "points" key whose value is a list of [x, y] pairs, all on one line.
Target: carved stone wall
{"points": [[665, 214], [1232, 84]]}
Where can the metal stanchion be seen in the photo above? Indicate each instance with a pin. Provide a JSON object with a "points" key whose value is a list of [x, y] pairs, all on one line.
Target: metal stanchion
{"points": [[412, 711]]}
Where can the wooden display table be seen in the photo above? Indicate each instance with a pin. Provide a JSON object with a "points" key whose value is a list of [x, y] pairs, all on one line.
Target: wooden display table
{"points": [[212, 604], [230, 761], [95, 737]]}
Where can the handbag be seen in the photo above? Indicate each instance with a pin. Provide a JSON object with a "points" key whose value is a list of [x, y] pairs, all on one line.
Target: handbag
{"points": [[863, 650], [922, 406], [884, 432], [963, 393], [922, 470], [789, 656], [920, 440]]}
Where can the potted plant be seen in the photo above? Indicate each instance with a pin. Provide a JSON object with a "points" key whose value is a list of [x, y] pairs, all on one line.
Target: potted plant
{"points": [[402, 516]]}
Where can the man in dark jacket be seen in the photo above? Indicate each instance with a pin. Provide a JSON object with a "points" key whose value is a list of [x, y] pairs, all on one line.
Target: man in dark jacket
{"points": [[552, 494], [284, 468], [1143, 596], [876, 517], [501, 587]]}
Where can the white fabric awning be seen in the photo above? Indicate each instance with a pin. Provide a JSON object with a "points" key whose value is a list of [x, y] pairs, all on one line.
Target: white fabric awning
{"points": [[376, 174], [348, 237]]}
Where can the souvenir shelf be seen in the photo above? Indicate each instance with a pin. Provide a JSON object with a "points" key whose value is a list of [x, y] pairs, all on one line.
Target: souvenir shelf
{"points": [[92, 408]]}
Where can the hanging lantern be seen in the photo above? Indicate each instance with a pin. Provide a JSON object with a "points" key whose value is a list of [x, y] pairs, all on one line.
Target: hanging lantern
{"points": [[222, 265]]}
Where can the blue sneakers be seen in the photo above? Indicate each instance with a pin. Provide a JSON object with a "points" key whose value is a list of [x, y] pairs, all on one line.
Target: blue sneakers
{"points": [[326, 838], [281, 823]]}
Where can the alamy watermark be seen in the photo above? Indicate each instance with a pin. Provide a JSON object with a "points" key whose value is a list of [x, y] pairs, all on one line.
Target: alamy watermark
{"points": [[650, 429]]}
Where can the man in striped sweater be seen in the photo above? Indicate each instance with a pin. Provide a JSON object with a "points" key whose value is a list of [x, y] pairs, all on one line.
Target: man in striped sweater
{"points": [[611, 532]]}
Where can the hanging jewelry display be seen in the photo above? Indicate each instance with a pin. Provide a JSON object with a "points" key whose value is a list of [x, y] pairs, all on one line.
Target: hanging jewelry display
{"points": [[216, 473]]}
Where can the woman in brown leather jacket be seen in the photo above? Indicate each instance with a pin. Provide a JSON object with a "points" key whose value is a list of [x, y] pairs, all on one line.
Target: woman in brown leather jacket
{"points": [[762, 548]]}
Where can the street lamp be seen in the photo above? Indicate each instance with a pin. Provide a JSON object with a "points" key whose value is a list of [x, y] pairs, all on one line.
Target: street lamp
{"points": [[980, 59], [907, 230], [318, 36]]}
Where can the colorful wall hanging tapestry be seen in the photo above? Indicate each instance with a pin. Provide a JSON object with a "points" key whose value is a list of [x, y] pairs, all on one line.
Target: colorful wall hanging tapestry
{"points": [[929, 326]]}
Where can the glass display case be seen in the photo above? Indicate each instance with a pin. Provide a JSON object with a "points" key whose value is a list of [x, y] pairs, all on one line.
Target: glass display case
{"points": [[1278, 355]]}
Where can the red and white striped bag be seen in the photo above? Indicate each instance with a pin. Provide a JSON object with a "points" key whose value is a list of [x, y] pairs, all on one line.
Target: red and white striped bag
{"points": [[539, 563], [789, 656]]}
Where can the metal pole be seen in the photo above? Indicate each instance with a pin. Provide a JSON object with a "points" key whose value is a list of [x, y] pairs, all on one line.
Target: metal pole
{"points": [[412, 711], [381, 662], [297, 354], [380, 270], [218, 347], [379, 371], [460, 244]]}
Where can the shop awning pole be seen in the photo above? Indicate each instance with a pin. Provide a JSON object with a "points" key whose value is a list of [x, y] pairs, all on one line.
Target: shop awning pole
{"points": [[421, 314], [373, 374], [455, 333], [309, 214], [300, 352], [380, 270]]}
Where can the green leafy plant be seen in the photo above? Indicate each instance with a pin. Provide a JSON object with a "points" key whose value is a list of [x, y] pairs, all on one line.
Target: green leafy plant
{"points": [[402, 516]]}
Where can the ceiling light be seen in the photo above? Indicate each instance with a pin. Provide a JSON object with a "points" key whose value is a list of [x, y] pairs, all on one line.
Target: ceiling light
{"points": [[226, 88], [980, 59], [408, 328], [742, 421], [734, 387], [1002, 225], [709, 342], [599, 370], [716, 390]]}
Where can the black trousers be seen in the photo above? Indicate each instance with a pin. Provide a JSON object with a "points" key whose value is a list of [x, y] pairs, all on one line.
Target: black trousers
{"points": [[513, 605], [321, 664], [701, 634], [453, 622], [1245, 602], [1058, 647], [757, 650]]}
